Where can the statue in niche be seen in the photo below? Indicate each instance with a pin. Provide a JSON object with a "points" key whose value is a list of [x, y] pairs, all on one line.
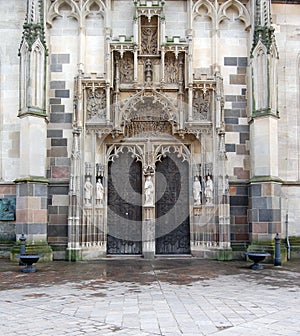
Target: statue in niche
{"points": [[149, 191], [99, 192], [200, 106], [149, 40], [88, 192], [197, 190], [7, 209], [209, 188], [96, 104], [126, 68], [171, 69]]}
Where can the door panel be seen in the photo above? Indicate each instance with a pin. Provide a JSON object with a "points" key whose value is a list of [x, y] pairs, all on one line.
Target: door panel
{"points": [[124, 214], [172, 228]]}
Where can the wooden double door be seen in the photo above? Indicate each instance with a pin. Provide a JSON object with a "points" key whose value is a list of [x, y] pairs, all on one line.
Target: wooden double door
{"points": [[125, 207]]}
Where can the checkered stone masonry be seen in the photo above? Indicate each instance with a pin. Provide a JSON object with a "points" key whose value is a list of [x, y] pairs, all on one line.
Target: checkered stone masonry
{"points": [[59, 163], [237, 147]]}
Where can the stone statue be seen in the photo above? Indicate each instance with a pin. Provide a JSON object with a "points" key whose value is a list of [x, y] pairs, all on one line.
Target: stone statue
{"points": [[126, 69], [99, 192], [149, 191], [197, 191], [88, 191], [209, 188]]}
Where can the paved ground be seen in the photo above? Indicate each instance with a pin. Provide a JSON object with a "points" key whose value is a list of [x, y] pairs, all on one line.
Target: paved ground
{"points": [[142, 298]]}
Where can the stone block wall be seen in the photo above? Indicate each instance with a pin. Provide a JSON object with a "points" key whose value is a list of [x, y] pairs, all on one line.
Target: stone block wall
{"points": [[60, 117], [265, 210], [239, 227], [237, 148]]}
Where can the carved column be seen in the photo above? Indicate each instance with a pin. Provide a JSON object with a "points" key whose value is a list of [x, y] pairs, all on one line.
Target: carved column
{"points": [[162, 65], [74, 249], [148, 231]]}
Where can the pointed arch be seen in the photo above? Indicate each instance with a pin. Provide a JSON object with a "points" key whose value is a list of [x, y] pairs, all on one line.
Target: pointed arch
{"points": [[243, 13], [24, 71], [55, 10], [94, 7], [150, 104], [260, 77], [37, 69], [205, 4]]}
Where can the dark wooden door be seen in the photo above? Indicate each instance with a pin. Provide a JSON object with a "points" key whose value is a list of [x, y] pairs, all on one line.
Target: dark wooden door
{"points": [[124, 214], [172, 227]]}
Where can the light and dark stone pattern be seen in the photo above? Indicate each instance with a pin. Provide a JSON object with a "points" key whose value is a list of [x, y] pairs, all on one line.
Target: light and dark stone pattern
{"points": [[239, 228], [236, 116], [58, 171], [264, 210], [31, 208], [60, 119], [58, 217]]}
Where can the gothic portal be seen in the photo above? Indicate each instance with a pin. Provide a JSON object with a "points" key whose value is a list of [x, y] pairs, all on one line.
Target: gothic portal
{"points": [[146, 139], [149, 127]]}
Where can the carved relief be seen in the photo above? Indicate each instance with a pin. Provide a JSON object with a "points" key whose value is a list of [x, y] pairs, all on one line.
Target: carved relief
{"points": [[171, 68], [96, 103], [7, 208], [126, 68], [201, 105], [147, 128], [149, 104], [149, 34]]}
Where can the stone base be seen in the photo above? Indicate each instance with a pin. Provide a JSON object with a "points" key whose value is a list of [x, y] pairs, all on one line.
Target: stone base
{"points": [[36, 248], [148, 255], [74, 254], [93, 252], [213, 253], [225, 254]]}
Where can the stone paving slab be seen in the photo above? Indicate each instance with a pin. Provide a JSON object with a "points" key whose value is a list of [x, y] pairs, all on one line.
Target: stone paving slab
{"points": [[141, 298]]}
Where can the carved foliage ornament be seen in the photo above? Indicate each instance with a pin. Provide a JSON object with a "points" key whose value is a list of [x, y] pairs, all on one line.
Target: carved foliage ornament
{"points": [[149, 36]]}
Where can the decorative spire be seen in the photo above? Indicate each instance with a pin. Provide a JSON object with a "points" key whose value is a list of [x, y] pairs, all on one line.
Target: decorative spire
{"points": [[33, 27], [263, 30]]}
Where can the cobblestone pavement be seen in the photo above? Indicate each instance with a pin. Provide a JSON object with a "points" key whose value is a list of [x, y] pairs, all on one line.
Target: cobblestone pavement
{"points": [[141, 298]]}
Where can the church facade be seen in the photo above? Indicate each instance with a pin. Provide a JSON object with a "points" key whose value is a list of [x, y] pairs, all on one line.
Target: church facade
{"points": [[149, 127]]}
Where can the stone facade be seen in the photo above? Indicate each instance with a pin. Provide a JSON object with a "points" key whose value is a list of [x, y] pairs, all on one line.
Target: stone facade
{"points": [[150, 127]]}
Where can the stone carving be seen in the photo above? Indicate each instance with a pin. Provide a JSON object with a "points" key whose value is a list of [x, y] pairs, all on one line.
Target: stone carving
{"points": [[147, 128], [149, 34], [126, 68], [197, 190], [88, 192], [200, 105], [171, 68], [209, 188], [96, 103], [149, 191], [99, 192], [148, 71], [149, 40], [7, 209], [153, 104]]}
